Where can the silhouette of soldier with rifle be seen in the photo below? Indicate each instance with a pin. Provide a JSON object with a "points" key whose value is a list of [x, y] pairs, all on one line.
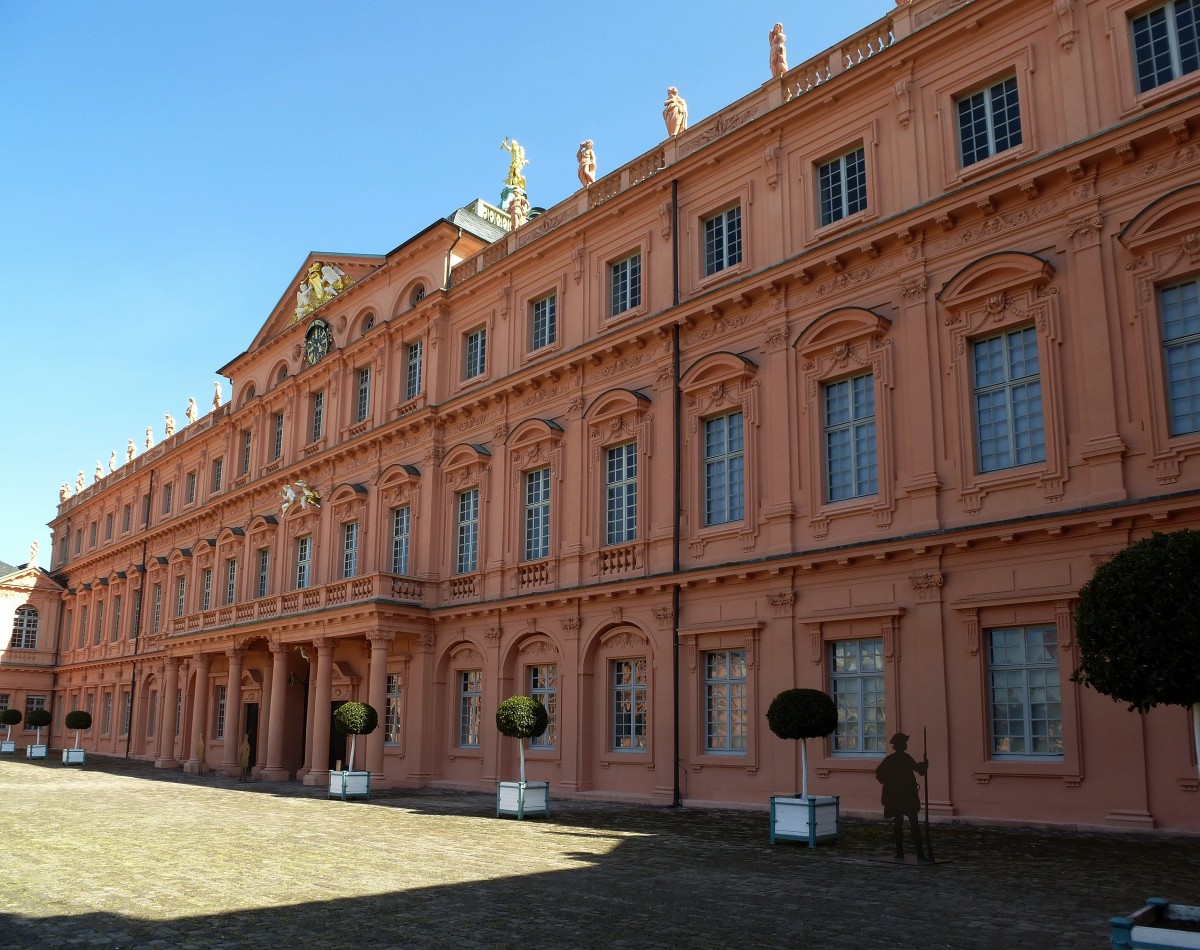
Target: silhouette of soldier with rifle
{"points": [[901, 794]]}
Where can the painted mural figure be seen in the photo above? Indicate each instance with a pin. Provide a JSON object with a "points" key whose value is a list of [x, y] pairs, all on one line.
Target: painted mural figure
{"points": [[587, 163], [675, 112], [901, 794], [778, 51]]}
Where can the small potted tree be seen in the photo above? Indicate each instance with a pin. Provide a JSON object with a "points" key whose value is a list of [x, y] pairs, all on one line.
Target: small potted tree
{"points": [[352, 719], [521, 718], [37, 718], [78, 720], [9, 718], [803, 714]]}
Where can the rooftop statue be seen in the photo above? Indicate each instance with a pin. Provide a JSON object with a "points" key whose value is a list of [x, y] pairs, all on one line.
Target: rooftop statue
{"points": [[779, 64], [33, 554], [518, 161], [675, 112], [99, 473], [64, 491], [112, 461], [79, 482], [130, 451], [518, 208], [149, 436], [587, 163], [217, 394], [170, 424], [191, 412]]}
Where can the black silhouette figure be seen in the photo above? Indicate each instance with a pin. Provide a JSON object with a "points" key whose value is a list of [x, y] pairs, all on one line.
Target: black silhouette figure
{"points": [[901, 795]]}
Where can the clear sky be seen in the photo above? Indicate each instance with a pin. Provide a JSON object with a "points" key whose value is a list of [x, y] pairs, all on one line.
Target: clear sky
{"points": [[165, 167]]}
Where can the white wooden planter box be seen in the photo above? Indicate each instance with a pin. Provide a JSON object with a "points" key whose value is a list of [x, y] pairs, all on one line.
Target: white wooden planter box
{"points": [[813, 819], [8, 746], [523, 798], [74, 756], [1157, 926], [36, 751], [345, 785]]}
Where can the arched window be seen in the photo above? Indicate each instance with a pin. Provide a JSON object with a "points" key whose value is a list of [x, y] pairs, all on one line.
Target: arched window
{"points": [[418, 294], [25, 629]]}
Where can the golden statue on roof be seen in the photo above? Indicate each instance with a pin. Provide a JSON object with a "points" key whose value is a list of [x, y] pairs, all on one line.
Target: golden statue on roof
{"points": [[518, 161]]}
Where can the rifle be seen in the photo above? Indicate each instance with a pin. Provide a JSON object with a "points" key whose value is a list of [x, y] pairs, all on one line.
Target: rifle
{"points": [[925, 758]]}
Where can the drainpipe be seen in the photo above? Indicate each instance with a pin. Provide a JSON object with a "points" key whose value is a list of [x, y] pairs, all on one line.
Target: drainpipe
{"points": [[677, 404], [137, 618]]}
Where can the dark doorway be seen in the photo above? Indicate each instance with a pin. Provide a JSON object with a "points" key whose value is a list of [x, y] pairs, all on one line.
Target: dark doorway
{"points": [[252, 731], [337, 740]]}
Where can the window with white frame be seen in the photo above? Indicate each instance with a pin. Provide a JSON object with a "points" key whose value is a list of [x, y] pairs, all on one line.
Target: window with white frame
{"points": [[303, 562], [108, 526], [126, 711], [230, 580], [1007, 391], [127, 517], [470, 707], [543, 686], [5, 698], [264, 571], [620, 493], [1179, 319], [25, 628], [722, 240], [475, 353], [115, 633], [725, 706], [219, 714], [98, 633], [206, 588], [391, 710], [1166, 42], [32, 703], [537, 514], [856, 684], [277, 437], [630, 705], [316, 416], [362, 405], [83, 626], [989, 121], [467, 540], [244, 468], [189, 488], [1025, 692], [180, 594], [157, 616], [106, 716], [168, 499], [350, 549], [401, 525], [842, 185], [625, 284], [218, 473], [543, 322], [413, 356], [724, 475], [850, 460]]}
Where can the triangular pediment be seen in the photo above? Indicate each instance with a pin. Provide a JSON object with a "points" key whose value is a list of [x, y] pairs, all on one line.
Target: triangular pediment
{"points": [[29, 579]]}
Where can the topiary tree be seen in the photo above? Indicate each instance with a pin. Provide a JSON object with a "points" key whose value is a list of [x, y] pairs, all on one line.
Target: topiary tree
{"points": [[38, 718], [1138, 626], [802, 714], [78, 720], [521, 718], [10, 718], [355, 719]]}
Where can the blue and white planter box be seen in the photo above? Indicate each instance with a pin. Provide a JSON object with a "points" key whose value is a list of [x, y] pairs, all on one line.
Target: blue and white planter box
{"points": [[1160, 925], [813, 819], [345, 785], [74, 756], [8, 746], [522, 798], [36, 751]]}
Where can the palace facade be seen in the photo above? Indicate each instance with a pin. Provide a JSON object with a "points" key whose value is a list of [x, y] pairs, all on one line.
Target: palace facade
{"points": [[848, 386]]}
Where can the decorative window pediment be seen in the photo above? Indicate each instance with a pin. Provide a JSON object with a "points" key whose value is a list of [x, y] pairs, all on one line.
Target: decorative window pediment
{"points": [[535, 442], [465, 464], [348, 501], [398, 484], [617, 415]]}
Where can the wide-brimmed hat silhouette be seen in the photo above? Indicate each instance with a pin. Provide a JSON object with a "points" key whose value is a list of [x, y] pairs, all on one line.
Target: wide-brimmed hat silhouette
{"points": [[898, 738]]}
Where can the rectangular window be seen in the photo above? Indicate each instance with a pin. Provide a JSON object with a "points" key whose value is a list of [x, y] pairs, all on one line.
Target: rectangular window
{"points": [[126, 711], [620, 493], [180, 594], [244, 468], [168, 498], [189, 493], [722, 241], [1026, 699], [83, 619], [362, 405], [543, 686], [106, 721], [127, 518], [1166, 42], [157, 608], [264, 571], [842, 184], [303, 562], [230, 580], [412, 370], [989, 122], [391, 710], [625, 278], [32, 703], [537, 514], [724, 480], [108, 526], [206, 588], [178, 711], [350, 549], [725, 710], [218, 471], [1008, 400], [850, 463], [115, 634], [152, 713], [629, 705], [543, 322], [476, 353], [856, 674], [25, 628], [98, 634], [401, 521], [277, 437], [1179, 318], [68, 632], [470, 707], [219, 714], [316, 427], [467, 545], [92, 534]]}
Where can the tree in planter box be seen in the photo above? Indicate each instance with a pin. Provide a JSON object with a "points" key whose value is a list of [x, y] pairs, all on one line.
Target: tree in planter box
{"points": [[802, 714], [521, 718], [10, 718], [78, 720], [38, 718], [355, 719]]}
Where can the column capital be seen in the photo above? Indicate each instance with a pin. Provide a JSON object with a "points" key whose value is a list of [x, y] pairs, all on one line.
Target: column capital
{"points": [[202, 659], [381, 638], [172, 662], [235, 652], [324, 645], [278, 646]]}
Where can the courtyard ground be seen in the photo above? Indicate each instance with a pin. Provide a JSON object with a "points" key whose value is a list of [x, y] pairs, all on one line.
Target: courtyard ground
{"points": [[119, 854]]}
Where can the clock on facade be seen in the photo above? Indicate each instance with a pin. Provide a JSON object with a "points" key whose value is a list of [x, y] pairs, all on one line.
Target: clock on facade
{"points": [[317, 342]]}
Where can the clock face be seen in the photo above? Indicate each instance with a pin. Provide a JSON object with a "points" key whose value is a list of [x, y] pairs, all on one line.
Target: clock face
{"points": [[316, 342]]}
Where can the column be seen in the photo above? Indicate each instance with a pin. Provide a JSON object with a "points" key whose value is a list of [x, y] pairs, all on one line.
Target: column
{"points": [[381, 645], [310, 678], [198, 746], [322, 698], [264, 724], [165, 758], [233, 713], [274, 771]]}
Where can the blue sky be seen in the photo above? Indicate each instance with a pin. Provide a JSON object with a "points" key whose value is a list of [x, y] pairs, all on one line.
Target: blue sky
{"points": [[166, 167]]}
